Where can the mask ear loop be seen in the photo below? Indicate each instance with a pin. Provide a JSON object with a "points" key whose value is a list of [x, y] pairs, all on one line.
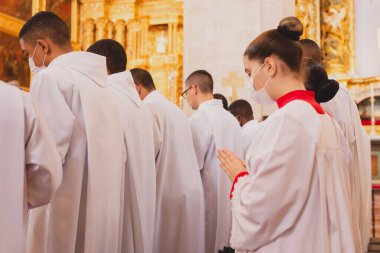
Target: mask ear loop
{"points": [[43, 62], [34, 50]]}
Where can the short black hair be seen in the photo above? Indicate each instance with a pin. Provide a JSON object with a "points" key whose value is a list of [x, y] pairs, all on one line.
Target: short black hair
{"points": [[203, 80], [241, 107], [223, 98], [143, 78], [45, 25], [310, 48], [114, 53]]}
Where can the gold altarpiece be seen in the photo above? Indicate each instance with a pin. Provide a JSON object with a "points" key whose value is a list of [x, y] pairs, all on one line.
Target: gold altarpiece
{"points": [[331, 24], [150, 30]]}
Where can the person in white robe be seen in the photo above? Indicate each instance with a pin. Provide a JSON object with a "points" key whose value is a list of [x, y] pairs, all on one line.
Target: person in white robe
{"points": [[344, 110], [213, 128], [293, 192], [30, 167], [243, 112], [179, 222], [85, 214], [142, 148]]}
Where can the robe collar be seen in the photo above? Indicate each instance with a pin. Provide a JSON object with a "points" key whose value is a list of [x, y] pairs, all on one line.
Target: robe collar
{"points": [[91, 65], [212, 102], [304, 95], [250, 123], [123, 82], [152, 96]]}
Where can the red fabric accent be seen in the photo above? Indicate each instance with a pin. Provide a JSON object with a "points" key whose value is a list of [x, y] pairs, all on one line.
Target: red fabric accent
{"points": [[375, 186], [304, 95], [241, 174], [367, 122]]}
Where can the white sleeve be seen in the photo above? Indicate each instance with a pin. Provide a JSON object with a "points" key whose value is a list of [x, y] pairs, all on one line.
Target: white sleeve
{"points": [[43, 165], [45, 90], [201, 138], [268, 202]]}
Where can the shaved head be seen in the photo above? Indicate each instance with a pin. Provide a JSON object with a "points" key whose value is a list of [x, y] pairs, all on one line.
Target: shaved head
{"points": [[242, 110], [114, 53], [311, 50], [202, 79], [45, 25]]}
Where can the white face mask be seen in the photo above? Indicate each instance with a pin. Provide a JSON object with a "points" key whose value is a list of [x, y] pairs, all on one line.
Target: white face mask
{"points": [[33, 66], [261, 96]]}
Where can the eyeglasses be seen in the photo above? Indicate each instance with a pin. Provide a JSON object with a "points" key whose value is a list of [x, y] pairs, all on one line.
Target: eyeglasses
{"points": [[184, 94]]}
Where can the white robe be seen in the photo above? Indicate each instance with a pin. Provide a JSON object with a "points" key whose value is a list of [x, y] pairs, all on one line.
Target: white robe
{"points": [[140, 169], [249, 130], [84, 215], [214, 128], [343, 108], [180, 203], [296, 196], [30, 168]]}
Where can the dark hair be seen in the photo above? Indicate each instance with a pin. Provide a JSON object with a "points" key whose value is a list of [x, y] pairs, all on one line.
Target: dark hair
{"points": [[142, 77], [316, 79], [45, 25], [281, 42], [223, 98], [311, 49], [114, 53], [241, 107], [203, 79]]}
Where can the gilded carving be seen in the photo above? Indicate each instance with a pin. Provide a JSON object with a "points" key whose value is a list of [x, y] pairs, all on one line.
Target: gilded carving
{"points": [[308, 12], [101, 28], [88, 33], [337, 36], [120, 31]]}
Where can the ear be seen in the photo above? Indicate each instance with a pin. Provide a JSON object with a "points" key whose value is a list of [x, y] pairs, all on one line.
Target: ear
{"points": [[238, 117], [44, 45], [270, 66]]}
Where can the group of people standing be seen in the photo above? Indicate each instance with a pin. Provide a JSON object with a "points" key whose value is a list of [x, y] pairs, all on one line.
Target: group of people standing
{"points": [[95, 159]]}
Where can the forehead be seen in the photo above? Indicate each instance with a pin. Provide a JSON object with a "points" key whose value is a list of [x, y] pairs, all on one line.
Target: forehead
{"points": [[25, 45]]}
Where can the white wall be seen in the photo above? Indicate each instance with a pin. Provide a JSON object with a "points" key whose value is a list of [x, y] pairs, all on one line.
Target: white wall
{"points": [[216, 33], [367, 21]]}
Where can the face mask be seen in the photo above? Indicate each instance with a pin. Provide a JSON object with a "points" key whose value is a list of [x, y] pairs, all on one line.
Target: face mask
{"points": [[33, 66], [261, 96]]}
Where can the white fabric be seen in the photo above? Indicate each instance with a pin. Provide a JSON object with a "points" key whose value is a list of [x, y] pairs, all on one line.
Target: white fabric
{"points": [[296, 196], [140, 169], [84, 215], [249, 130], [30, 168], [214, 128], [180, 202], [343, 108]]}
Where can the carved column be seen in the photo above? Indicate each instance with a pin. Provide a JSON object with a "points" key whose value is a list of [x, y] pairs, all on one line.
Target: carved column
{"points": [[88, 33], [101, 28], [120, 32], [110, 30], [308, 11]]}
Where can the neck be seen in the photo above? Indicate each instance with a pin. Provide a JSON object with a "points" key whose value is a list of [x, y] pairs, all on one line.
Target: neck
{"points": [[205, 97], [58, 51], [286, 85]]}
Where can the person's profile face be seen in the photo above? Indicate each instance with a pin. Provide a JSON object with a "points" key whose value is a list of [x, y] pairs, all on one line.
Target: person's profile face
{"points": [[254, 70], [37, 51], [190, 95]]}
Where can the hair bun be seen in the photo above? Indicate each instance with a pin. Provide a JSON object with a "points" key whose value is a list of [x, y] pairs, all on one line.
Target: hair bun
{"points": [[326, 91], [291, 27]]}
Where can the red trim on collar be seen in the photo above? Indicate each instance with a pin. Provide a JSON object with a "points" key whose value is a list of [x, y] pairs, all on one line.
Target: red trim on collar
{"points": [[304, 95]]}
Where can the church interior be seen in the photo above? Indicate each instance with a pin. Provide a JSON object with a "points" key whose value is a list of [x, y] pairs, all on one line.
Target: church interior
{"points": [[172, 38]]}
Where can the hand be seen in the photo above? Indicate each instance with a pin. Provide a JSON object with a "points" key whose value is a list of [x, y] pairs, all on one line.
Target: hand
{"points": [[230, 163]]}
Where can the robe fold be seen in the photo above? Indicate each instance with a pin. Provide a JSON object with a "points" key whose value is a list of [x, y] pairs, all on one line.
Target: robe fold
{"points": [[30, 167], [140, 170], [214, 128], [85, 214], [179, 222]]}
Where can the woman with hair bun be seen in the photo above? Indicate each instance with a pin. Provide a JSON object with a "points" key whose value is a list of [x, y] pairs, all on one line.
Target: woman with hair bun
{"points": [[292, 193]]}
